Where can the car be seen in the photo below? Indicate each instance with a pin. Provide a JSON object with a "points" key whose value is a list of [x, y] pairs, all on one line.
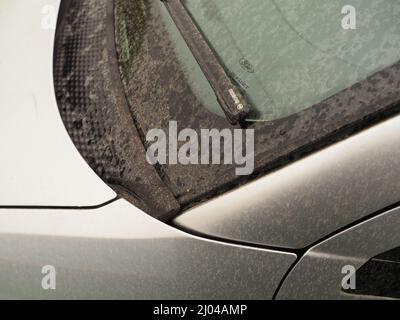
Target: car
{"points": [[183, 149]]}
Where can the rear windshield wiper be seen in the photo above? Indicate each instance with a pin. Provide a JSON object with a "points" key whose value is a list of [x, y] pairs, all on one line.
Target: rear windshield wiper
{"points": [[231, 100]]}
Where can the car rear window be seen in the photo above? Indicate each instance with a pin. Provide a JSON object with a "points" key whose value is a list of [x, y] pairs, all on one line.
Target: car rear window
{"points": [[289, 55]]}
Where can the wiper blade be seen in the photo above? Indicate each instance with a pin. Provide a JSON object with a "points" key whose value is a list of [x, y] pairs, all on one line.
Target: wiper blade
{"points": [[232, 102]]}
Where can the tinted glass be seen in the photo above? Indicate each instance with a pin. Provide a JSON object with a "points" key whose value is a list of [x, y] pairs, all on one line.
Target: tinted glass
{"points": [[289, 55]]}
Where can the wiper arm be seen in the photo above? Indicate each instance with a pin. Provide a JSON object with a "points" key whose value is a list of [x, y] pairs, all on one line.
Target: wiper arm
{"points": [[230, 99]]}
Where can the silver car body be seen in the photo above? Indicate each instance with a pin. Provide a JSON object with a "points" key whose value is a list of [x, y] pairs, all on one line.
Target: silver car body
{"points": [[55, 211]]}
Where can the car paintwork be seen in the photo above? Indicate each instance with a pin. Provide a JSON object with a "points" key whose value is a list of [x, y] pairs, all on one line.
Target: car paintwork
{"points": [[311, 198], [39, 165], [318, 275], [120, 252]]}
